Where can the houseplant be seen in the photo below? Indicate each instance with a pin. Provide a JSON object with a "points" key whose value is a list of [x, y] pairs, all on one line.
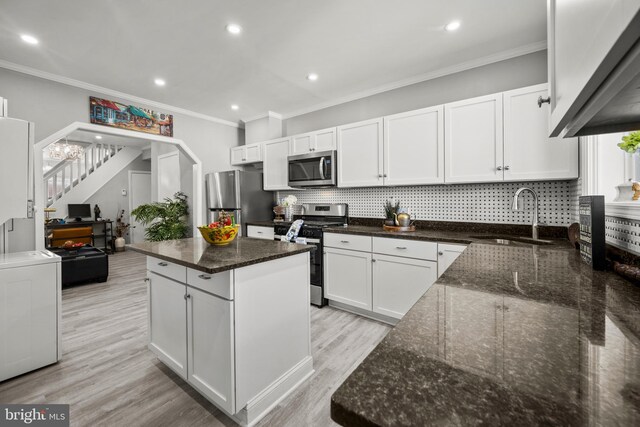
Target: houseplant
{"points": [[630, 143], [390, 209], [167, 219]]}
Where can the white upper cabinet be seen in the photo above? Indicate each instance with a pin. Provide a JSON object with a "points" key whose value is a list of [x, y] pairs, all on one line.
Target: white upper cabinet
{"points": [[251, 153], [301, 144], [360, 154], [276, 166], [529, 154], [321, 140], [325, 140], [473, 140], [414, 147]]}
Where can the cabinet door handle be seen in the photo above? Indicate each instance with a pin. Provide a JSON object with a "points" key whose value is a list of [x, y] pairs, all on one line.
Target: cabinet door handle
{"points": [[380, 175], [163, 264], [542, 100], [507, 168], [204, 277], [440, 253], [259, 232], [384, 175], [401, 247], [344, 241], [187, 296], [499, 168], [147, 280], [373, 260]]}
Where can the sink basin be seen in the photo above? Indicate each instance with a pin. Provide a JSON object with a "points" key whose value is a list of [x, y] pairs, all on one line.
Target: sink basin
{"points": [[512, 240]]}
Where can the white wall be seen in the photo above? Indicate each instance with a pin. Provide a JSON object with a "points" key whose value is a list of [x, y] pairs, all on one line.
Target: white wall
{"points": [[52, 106], [505, 75], [110, 199]]}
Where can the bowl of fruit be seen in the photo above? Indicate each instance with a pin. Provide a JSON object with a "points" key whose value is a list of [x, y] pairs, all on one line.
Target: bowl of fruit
{"points": [[220, 232]]}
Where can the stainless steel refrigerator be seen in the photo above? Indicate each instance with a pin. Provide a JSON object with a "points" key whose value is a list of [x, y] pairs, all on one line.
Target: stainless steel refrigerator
{"points": [[239, 193]]}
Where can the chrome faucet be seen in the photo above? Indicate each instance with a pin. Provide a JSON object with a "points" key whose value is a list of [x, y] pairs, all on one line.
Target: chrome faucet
{"points": [[514, 206]]}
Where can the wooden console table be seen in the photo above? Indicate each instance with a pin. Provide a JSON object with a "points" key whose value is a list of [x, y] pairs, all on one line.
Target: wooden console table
{"points": [[107, 231]]}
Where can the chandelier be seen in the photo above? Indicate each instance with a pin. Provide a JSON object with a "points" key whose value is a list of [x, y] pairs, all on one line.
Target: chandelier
{"points": [[65, 151]]}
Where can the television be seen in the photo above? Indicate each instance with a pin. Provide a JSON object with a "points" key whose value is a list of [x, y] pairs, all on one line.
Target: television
{"points": [[79, 212]]}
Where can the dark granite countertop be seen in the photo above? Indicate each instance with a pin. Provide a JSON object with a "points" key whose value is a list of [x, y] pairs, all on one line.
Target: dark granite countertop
{"points": [[198, 254], [509, 335]]}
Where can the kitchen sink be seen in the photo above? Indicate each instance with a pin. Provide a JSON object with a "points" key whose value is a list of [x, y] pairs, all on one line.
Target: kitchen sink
{"points": [[513, 240]]}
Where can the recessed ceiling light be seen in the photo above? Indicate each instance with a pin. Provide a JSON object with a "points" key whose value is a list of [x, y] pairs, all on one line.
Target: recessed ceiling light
{"points": [[452, 26], [313, 77], [29, 39], [235, 107], [160, 82], [234, 28], [98, 137]]}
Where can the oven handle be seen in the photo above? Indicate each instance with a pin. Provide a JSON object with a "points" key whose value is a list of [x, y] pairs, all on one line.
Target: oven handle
{"points": [[314, 241], [321, 168]]}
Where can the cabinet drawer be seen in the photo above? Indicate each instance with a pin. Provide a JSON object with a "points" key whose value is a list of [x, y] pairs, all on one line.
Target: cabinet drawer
{"points": [[168, 269], [220, 284], [406, 248], [347, 241], [260, 232]]}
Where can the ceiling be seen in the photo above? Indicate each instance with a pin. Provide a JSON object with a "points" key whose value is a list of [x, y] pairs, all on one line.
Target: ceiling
{"points": [[355, 46]]}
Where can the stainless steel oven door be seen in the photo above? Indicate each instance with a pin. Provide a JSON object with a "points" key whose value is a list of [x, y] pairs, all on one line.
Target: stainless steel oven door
{"points": [[316, 169]]}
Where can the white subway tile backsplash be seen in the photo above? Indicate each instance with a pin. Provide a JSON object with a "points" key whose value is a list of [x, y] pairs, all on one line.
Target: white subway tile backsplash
{"points": [[460, 202]]}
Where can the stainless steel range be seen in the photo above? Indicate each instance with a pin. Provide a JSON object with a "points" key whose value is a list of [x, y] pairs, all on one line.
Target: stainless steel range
{"points": [[316, 218]]}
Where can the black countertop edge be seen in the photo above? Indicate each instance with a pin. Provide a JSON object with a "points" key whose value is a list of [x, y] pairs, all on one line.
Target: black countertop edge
{"points": [[213, 259]]}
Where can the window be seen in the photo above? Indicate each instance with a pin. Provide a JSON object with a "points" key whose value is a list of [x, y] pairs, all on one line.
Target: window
{"points": [[610, 171]]}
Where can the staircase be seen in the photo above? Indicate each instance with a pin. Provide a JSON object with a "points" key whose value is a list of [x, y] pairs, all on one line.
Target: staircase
{"points": [[74, 181]]}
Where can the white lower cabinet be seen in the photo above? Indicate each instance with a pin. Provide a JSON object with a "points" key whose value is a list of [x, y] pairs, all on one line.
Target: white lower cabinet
{"points": [[381, 276], [210, 344], [29, 317], [258, 232], [348, 277], [223, 332], [167, 314], [399, 282], [447, 253]]}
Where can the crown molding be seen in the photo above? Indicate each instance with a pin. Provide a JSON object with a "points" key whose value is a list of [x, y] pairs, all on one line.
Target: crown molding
{"points": [[262, 116], [463, 66], [106, 91]]}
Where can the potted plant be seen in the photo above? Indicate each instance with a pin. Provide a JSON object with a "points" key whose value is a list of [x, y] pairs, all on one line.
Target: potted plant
{"points": [[390, 209], [167, 219], [121, 231], [631, 142], [627, 190]]}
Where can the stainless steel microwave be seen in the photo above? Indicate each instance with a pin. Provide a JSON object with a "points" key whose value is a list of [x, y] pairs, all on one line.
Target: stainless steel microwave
{"points": [[315, 169]]}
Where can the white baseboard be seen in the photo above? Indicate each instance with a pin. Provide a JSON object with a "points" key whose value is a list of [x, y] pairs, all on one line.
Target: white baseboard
{"points": [[263, 403], [364, 313]]}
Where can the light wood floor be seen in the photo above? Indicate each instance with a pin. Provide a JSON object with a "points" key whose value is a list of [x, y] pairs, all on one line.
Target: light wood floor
{"points": [[110, 378]]}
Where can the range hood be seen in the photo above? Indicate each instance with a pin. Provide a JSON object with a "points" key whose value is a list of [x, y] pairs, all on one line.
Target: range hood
{"points": [[608, 99]]}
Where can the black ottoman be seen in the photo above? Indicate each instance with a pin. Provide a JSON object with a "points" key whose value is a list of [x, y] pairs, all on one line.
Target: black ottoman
{"points": [[85, 264]]}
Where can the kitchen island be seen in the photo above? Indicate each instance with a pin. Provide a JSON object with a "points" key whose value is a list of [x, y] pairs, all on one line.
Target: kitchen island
{"points": [[233, 320], [509, 335]]}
